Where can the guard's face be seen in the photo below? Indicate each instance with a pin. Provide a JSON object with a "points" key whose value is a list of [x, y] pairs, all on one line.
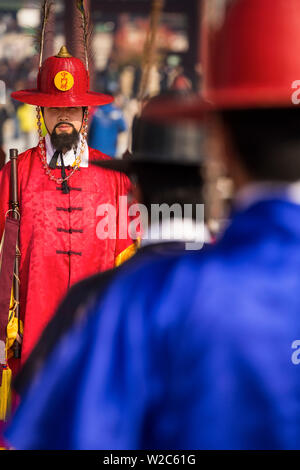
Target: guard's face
{"points": [[63, 120]]}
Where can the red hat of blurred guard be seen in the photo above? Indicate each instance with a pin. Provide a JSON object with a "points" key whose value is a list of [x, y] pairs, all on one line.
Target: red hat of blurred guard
{"points": [[63, 81], [251, 53]]}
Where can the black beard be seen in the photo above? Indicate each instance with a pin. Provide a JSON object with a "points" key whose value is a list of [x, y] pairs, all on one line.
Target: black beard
{"points": [[64, 140]]}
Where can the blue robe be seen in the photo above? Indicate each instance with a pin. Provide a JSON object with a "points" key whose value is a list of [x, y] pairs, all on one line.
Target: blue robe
{"points": [[189, 352], [107, 123]]}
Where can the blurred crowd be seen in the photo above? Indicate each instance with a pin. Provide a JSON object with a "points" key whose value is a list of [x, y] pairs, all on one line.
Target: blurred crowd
{"points": [[18, 121]]}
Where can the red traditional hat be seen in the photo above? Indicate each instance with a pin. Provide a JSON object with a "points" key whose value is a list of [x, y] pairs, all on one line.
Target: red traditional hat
{"points": [[63, 81], [252, 54]]}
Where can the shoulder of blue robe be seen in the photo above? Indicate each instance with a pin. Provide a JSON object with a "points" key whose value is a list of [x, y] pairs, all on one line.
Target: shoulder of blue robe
{"points": [[75, 304], [186, 353], [68, 371]]}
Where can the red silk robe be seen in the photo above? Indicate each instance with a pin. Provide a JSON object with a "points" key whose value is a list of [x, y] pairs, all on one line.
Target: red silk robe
{"points": [[58, 240]]}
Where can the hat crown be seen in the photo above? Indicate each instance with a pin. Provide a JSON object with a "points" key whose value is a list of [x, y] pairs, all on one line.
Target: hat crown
{"points": [[253, 52], [63, 53], [62, 81], [63, 75]]}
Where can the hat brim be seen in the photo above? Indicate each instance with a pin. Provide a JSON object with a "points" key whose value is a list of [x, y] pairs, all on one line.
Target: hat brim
{"points": [[195, 108], [61, 100], [251, 97], [132, 166], [173, 109]]}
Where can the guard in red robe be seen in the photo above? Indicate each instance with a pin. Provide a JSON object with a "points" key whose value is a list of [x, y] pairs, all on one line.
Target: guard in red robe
{"points": [[63, 198]]}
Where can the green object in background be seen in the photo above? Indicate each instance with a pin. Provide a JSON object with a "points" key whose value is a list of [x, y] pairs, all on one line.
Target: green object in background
{"points": [[11, 5]]}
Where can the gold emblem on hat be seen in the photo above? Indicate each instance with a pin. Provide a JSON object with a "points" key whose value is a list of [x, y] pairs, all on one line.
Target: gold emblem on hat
{"points": [[64, 80]]}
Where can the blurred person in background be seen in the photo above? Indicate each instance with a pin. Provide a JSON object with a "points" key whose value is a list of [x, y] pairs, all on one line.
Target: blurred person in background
{"points": [[107, 123], [181, 82], [109, 78], [173, 75], [26, 115]]}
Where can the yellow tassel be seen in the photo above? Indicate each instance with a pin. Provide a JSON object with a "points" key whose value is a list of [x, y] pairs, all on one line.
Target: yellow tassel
{"points": [[5, 394], [12, 329], [126, 254]]}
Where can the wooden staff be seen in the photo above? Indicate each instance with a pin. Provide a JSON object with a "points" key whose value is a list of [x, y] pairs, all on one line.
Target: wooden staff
{"points": [[15, 214], [148, 60], [2, 158], [150, 47]]}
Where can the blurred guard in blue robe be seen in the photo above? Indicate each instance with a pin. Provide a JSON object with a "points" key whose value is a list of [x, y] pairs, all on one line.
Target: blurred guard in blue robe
{"points": [[197, 351]]}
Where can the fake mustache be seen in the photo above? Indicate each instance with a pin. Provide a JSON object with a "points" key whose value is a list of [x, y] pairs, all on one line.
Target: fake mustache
{"points": [[63, 123]]}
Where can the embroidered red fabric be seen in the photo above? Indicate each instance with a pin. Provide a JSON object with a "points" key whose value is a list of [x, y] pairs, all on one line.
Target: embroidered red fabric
{"points": [[58, 234]]}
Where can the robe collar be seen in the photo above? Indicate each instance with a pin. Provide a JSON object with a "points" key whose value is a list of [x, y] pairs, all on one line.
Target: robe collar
{"points": [[177, 230], [255, 192]]}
